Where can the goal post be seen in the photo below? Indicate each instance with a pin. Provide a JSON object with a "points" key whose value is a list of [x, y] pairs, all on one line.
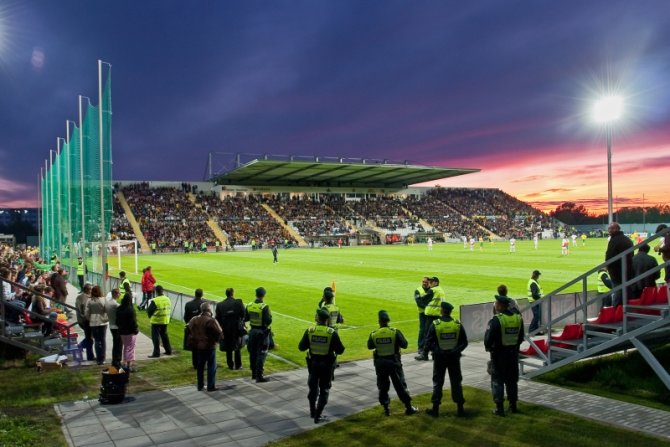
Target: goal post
{"points": [[115, 249]]}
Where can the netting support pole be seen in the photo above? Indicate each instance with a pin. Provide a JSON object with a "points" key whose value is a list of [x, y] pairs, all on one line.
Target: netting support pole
{"points": [[45, 204], [59, 230], [51, 203], [135, 243], [68, 174], [40, 215], [103, 235], [81, 181]]}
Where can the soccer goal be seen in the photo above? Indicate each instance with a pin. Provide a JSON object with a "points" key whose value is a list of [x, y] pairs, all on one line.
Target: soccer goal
{"points": [[115, 249]]}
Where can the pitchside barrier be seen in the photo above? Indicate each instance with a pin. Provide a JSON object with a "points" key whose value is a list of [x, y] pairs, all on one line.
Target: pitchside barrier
{"points": [[475, 317]]}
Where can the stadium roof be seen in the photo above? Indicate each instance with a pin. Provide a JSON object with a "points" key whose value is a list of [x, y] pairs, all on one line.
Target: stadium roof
{"points": [[337, 172]]}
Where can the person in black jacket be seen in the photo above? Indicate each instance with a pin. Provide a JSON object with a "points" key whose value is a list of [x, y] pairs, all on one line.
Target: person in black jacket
{"points": [[192, 309], [258, 314], [617, 244], [642, 263], [126, 320], [230, 315]]}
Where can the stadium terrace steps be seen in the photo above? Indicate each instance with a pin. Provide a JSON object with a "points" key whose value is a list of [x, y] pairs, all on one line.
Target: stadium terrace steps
{"points": [[133, 222], [280, 221], [424, 223], [218, 232]]}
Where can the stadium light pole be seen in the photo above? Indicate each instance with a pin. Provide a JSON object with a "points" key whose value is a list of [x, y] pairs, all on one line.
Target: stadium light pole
{"points": [[607, 110]]}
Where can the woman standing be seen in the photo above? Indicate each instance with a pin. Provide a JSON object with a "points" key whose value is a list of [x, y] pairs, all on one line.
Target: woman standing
{"points": [[126, 320], [148, 282], [97, 319]]}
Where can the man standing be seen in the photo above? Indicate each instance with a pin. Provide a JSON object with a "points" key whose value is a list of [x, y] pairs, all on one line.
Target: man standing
{"points": [[617, 244], [205, 335], [230, 315], [123, 280], [447, 338], [502, 339], [642, 263], [148, 282], [82, 270], [422, 297], [604, 286], [432, 310], [192, 309], [159, 317], [335, 317], [387, 342], [80, 305], [323, 344], [274, 254], [111, 305], [259, 317], [512, 245], [59, 285], [536, 241], [535, 294], [663, 248]]}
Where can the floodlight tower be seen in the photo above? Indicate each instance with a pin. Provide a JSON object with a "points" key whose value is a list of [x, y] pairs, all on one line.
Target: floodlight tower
{"points": [[607, 110]]}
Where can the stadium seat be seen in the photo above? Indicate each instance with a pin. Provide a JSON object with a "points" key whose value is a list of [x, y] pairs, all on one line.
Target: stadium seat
{"points": [[618, 314], [662, 294], [530, 350], [570, 332], [647, 298], [606, 316]]}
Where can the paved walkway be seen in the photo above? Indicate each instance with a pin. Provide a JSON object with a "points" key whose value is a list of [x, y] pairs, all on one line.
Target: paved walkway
{"points": [[243, 413]]}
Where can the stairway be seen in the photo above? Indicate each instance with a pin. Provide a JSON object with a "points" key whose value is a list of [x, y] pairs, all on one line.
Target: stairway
{"points": [[133, 222], [424, 223], [280, 221], [630, 325]]}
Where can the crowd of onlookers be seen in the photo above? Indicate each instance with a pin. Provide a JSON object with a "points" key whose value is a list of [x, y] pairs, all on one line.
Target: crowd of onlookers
{"points": [[168, 217]]}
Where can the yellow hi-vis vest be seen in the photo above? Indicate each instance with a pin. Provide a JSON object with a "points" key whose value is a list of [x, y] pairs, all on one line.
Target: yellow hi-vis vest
{"points": [[510, 326], [602, 288], [122, 288], [530, 294], [81, 269], [319, 339], [255, 311], [433, 308], [422, 293], [334, 312], [162, 313], [447, 333], [384, 341]]}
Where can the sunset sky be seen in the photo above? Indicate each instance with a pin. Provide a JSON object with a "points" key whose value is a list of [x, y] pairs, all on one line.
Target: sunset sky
{"points": [[503, 86]]}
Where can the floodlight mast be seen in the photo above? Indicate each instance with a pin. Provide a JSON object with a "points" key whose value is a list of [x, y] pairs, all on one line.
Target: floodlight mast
{"points": [[607, 110]]}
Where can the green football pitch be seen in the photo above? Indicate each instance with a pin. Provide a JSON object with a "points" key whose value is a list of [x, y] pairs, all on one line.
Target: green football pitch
{"points": [[367, 279]]}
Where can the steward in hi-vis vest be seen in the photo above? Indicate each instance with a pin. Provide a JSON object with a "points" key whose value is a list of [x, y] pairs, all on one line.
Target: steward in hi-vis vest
{"points": [[447, 338], [387, 342], [434, 298], [422, 297], [159, 315], [323, 344], [82, 270], [535, 294], [503, 336], [259, 317]]}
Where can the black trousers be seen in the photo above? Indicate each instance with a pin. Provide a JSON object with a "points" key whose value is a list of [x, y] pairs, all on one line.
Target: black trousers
{"points": [[390, 371], [441, 364], [319, 383], [117, 348], [505, 375], [159, 334], [258, 350]]}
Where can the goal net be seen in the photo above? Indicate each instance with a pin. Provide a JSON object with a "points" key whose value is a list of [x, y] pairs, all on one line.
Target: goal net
{"points": [[116, 249]]}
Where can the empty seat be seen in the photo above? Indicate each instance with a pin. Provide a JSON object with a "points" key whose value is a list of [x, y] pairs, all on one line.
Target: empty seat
{"points": [[662, 294], [570, 332], [647, 298], [606, 316], [530, 350], [618, 314]]}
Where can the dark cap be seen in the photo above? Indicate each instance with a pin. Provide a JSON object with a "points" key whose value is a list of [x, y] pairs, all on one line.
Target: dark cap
{"points": [[328, 295], [536, 273], [503, 299], [260, 292], [434, 279], [384, 316], [322, 314], [446, 306], [328, 289]]}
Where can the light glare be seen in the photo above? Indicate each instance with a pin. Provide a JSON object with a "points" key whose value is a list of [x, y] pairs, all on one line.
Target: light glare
{"points": [[608, 109]]}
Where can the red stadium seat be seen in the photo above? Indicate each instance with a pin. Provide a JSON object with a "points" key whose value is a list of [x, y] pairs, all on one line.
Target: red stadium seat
{"points": [[662, 294], [606, 316], [618, 314], [570, 332], [530, 350]]}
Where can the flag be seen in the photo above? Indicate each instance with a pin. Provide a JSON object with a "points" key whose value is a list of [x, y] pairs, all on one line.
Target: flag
{"points": [[333, 286]]}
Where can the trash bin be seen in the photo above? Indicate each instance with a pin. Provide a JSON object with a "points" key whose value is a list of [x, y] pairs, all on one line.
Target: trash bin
{"points": [[113, 387]]}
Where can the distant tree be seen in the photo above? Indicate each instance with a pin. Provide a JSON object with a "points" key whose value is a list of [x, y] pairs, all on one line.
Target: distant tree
{"points": [[572, 214], [19, 228], [654, 214]]}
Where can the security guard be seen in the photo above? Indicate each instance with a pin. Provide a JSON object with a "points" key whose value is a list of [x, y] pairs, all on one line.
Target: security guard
{"points": [[323, 344], [387, 342], [335, 317], [123, 280], [159, 317], [535, 294], [432, 310], [153, 248], [604, 286], [259, 317], [422, 297], [447, 338], [503, 336], [82, 270]]}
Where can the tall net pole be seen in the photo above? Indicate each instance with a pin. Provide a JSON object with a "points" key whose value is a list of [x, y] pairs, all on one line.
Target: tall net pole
{"points": [[103, 230]]}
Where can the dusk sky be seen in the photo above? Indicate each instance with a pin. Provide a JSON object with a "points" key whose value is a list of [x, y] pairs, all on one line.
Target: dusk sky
{"points": [[503, 86]]}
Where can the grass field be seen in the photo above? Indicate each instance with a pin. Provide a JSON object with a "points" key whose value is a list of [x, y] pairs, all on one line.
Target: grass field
{"points": [[367, 279]]}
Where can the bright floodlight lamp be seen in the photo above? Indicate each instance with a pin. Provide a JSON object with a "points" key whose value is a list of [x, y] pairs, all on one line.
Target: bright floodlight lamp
{"points": [[607, 110]]}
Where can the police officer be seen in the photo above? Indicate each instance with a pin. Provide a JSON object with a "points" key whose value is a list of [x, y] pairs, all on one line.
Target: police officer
{"points": [[259, 317], [387, 342], [432, 310], [503, 336], [335, 317], [82, 270], [123, 280], [323, 344], [535, 294], [422, 298], [159, 317], [447, 338]]}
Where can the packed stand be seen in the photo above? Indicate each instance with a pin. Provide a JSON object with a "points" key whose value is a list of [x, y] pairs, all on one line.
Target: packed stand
{"points": [[312, 217], [121, 228], [387, 213], [168, 218], [442, 218]]}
